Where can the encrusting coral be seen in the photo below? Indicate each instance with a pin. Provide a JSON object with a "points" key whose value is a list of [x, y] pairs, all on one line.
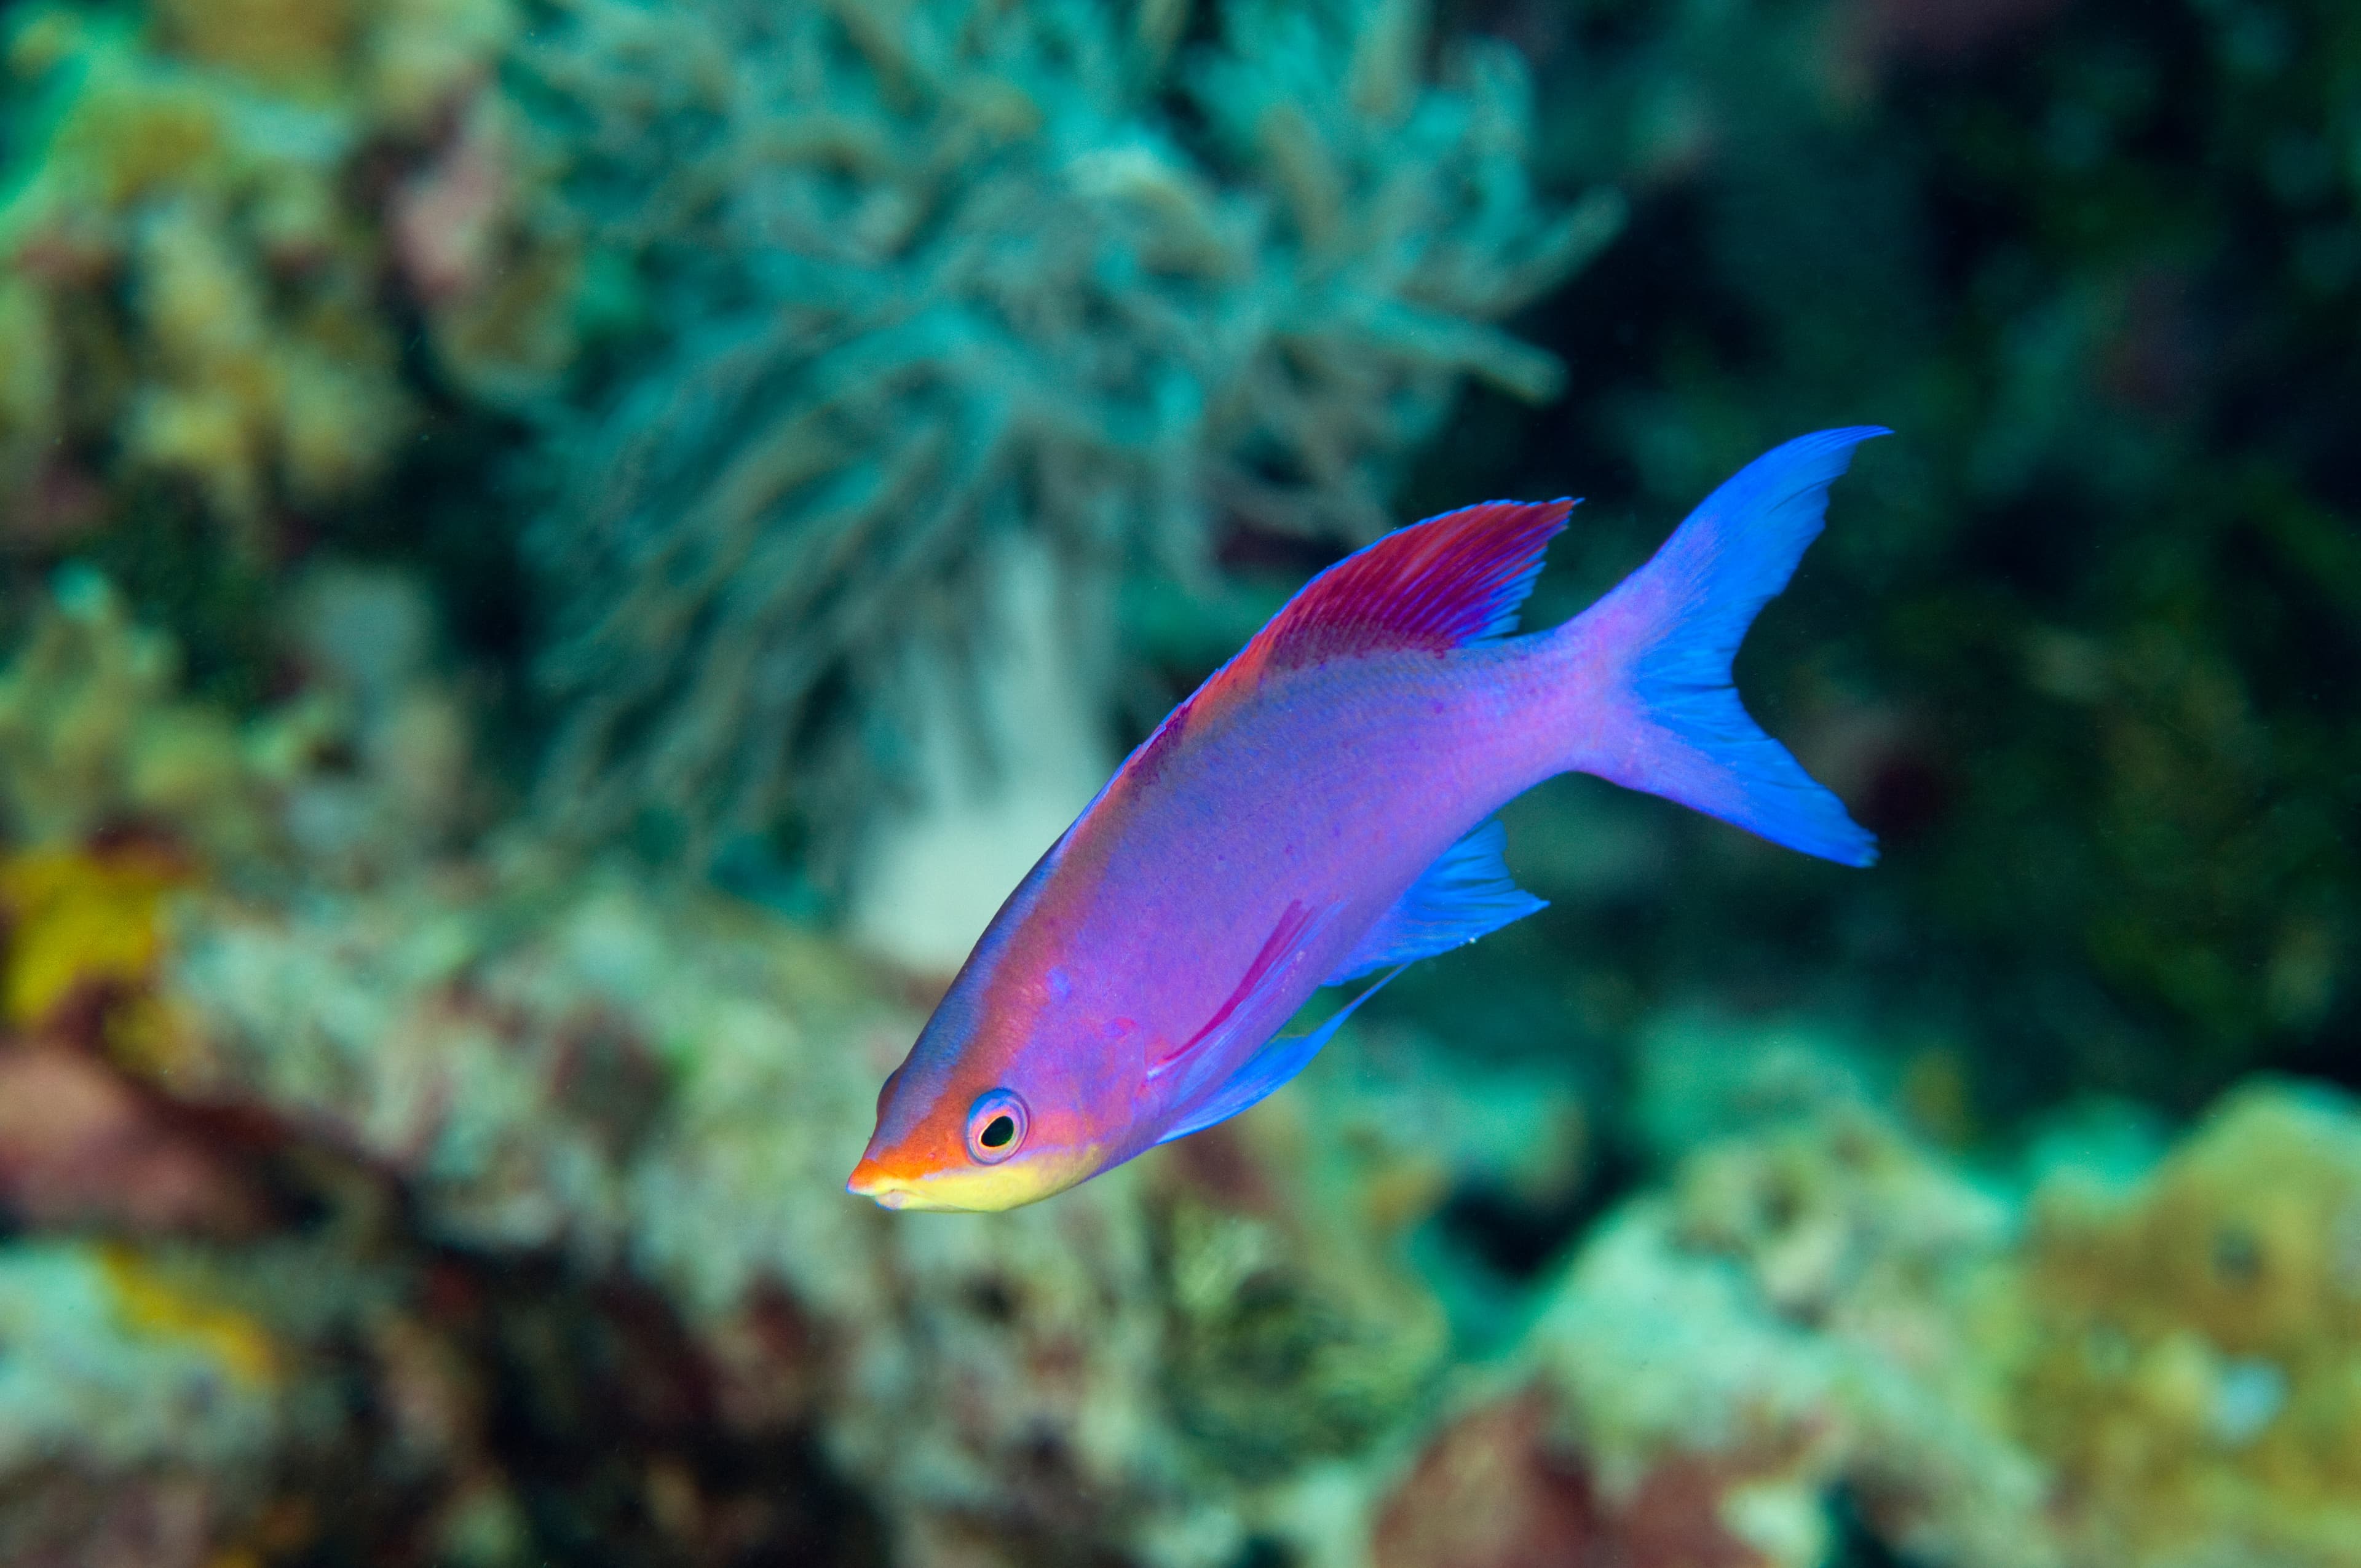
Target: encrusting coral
{"points": [[966, 275]]}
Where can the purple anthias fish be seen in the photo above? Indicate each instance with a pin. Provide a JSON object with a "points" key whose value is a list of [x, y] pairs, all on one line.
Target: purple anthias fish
{"points": [[1321, 809]]}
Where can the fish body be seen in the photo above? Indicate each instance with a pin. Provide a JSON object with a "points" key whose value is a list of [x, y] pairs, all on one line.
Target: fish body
{"points": [[1319, 809]]}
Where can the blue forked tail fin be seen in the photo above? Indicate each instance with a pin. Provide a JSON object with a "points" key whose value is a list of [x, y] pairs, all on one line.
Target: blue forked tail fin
{"points": [[1656, 653]]}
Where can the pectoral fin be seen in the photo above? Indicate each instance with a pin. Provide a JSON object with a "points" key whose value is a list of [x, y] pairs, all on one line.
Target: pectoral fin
{"points": [[1264, 1071], [1273, 965]]}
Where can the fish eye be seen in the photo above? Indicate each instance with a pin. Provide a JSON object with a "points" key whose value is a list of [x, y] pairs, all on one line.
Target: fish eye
{"points": [[886, 1090], [995, 1126]]}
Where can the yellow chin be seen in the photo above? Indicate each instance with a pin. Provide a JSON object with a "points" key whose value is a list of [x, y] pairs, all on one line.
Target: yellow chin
{"points": [[976, 1189]]}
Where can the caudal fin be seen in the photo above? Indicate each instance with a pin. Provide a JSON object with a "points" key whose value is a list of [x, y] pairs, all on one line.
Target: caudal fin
{"points": [[1656, 651]]}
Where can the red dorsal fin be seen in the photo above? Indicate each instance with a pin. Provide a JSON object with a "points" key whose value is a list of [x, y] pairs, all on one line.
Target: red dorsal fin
{"points": [[1449, 582]]}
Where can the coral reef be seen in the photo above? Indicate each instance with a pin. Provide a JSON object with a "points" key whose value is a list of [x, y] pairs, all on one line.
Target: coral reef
{"points": [[1040, 270], [428, 1109], [1291, 1339], [662, 1090], [193, 249], [855, 418], [567, 1145], [365, 769], [138, 1420], [1798, 1312], [95, 731], [2194, 1338], [1818, 1324]]}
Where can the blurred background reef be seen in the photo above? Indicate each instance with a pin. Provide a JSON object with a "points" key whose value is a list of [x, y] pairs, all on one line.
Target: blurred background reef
{"points": [[557, 557]]}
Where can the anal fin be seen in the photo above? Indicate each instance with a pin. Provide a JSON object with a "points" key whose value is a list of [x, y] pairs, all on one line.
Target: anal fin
{"points": [[1464, 895]]}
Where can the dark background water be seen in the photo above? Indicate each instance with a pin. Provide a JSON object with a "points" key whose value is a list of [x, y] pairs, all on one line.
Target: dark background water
{"points": [[2078, 642]]}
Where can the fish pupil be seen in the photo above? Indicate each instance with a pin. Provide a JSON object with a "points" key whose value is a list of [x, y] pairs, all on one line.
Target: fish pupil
{"points": [[998, 1131]]}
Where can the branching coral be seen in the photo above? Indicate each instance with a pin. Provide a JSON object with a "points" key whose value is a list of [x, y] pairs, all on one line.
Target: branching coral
{"points": [[250, 361], [980, 270]]}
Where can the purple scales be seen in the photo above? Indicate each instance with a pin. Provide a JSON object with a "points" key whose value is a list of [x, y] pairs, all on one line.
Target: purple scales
{"points": [[1319, 809]]}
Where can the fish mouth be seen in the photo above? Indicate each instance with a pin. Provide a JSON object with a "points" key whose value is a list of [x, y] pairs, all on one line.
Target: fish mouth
{"points": [[920, 1192], [980, 1190], [870, 1180]]}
